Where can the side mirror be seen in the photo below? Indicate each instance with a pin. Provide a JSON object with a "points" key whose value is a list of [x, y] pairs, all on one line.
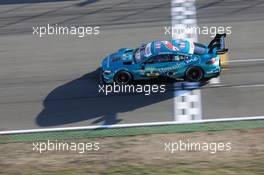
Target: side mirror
{"points": [[143, 44]]}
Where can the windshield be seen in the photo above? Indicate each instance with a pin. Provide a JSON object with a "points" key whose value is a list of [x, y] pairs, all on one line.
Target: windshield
{"points": [[142, 52]]}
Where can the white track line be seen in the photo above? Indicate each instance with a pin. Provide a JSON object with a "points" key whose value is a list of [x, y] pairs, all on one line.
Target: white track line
{"points": [[215, 81], [245, 60], [248, 86], [235, 86], [130, 125]]}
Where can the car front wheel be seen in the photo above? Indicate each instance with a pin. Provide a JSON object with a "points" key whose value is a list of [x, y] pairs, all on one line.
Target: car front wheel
{"points": [[123, 77]]}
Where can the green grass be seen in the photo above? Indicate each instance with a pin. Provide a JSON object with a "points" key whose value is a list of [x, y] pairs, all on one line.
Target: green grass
{"points": [[159, 170], [215, 126]]}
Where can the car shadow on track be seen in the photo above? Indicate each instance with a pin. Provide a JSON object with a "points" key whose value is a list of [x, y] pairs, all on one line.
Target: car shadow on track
{"points": [[79, 100]]}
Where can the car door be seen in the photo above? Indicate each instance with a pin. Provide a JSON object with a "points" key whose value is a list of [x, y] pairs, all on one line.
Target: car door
{"points": [[159, 65], [179, 65]]}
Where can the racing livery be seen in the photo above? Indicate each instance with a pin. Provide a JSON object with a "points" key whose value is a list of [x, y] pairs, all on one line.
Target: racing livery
{"points": [[178, 59]]}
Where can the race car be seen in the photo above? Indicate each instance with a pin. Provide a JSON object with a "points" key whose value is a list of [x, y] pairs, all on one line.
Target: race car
{"points": [[177, 59]]}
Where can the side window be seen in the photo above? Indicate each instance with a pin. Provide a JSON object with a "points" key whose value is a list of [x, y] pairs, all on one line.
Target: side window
{"points": [[160, 59], [179, 57]]}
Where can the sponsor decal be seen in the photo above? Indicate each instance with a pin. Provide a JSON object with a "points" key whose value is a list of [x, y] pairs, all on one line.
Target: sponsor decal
{"points": [[152, 74], [191, 50], [182, 45], [170, 45], [192, 60], [158, 45]]}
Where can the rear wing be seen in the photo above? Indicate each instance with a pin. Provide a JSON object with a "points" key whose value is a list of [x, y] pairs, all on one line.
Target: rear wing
{"points": [[218, 44]]}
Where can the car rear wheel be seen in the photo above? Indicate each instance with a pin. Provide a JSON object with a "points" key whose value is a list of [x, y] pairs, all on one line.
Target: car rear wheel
{"points": [[194, 74], [123, 77]]}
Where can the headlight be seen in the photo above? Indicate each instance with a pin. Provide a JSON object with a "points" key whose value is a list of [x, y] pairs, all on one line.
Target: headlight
{"points": [[107, 72]]}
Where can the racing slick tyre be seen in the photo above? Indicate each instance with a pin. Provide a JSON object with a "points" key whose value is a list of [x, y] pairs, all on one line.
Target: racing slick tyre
{"points": [[123, 77], [194, 74]]}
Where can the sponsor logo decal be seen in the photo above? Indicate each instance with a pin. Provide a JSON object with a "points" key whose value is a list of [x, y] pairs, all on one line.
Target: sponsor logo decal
{"points": [[191, 50], [152, 74], [170, 46], [182, 45], [158, 45], [192, 60]]}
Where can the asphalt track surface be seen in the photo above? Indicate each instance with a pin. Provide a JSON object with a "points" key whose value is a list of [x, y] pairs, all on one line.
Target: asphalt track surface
{"points": [[53, 81]]}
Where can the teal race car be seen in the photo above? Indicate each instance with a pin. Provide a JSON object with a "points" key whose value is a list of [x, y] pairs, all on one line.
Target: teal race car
{"points": [[177, 59]]}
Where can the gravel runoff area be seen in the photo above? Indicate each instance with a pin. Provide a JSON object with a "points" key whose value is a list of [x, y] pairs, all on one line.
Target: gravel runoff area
{"points": [[144, 154]]}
